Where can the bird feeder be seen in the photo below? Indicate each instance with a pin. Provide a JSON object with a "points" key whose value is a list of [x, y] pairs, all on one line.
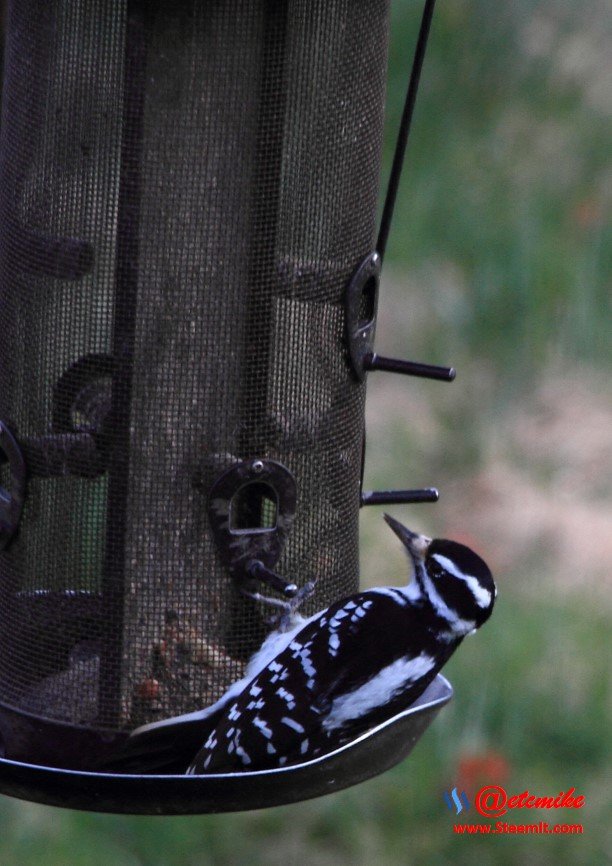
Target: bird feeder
{"points": [[188, 290]]}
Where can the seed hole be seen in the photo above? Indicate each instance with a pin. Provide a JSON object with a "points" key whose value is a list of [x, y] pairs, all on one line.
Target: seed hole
{"points": [[254, 507]]}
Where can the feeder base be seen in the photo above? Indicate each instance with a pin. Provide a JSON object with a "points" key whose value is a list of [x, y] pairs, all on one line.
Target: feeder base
{"points": [[372, 753]]}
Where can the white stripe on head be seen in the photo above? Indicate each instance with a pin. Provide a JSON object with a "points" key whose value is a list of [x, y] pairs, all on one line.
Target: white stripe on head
{"points": [[458, 626], [482, 595]]}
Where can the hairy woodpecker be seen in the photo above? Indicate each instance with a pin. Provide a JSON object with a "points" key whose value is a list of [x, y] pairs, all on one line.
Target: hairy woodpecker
{"points": [[317, 683]]}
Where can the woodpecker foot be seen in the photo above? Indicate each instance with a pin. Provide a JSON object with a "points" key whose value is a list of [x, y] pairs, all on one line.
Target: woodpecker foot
{"points": [[288, 611]]}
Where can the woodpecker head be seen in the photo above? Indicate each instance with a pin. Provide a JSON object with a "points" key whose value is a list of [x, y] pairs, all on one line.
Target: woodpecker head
{"points": [[454, 580]]}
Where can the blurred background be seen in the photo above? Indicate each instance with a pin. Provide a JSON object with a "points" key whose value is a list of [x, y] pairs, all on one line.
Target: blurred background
{"points": [[498, 263]]}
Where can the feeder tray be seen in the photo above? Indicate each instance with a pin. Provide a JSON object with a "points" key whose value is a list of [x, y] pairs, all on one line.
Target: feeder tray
{"points": [[189, 275], [368, 755]]}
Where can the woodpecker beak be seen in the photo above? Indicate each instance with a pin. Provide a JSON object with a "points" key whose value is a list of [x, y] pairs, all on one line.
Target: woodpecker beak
{"points": [[416, 545]]}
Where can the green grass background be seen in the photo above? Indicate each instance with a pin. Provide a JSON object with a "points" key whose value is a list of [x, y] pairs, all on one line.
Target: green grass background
{"points": [[499, 262]]}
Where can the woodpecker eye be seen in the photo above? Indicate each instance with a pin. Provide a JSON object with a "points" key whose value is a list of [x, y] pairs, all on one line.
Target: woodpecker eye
{"points": [[435, 569]]}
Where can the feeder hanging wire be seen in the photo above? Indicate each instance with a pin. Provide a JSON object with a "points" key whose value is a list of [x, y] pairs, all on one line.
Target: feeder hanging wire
{"points": [[404, 129]]}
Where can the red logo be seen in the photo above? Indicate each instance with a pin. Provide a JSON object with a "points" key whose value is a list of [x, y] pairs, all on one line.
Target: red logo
{"points": [[492, 801]]}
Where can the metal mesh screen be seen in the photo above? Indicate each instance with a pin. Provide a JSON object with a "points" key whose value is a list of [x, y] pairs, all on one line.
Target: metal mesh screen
{"points": [[185, 191]]}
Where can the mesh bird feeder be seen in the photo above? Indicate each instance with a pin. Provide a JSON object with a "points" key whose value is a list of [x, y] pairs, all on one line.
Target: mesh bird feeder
{"points": [[189, 274]]}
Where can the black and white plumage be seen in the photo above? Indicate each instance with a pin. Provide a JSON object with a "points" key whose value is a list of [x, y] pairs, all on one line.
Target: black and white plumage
{"points": [[317, 683]]}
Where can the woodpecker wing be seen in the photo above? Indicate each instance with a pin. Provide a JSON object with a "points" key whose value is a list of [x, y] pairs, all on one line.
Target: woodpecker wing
{"points": [[354, 663]]}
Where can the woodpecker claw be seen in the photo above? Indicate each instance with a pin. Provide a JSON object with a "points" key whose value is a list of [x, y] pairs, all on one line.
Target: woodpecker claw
{"points": [[266, 599], [288, 610]]}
